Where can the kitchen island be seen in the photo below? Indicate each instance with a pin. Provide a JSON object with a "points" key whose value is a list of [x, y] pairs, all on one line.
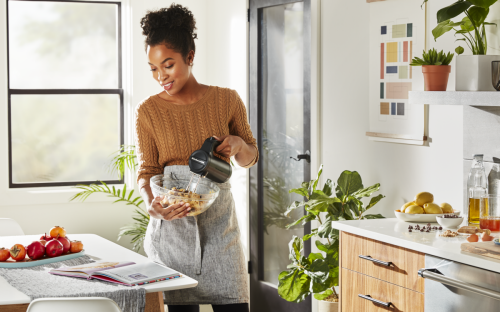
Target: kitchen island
{"points": [[380, 262]]}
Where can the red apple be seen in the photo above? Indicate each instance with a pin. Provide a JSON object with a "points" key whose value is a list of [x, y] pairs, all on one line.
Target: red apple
{"points": [[46, 237], [54, 248], [65, 242], [44, 242], [36, 250]]}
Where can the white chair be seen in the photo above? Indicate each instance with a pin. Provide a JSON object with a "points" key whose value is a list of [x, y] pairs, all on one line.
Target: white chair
{"points": [[9, 227], [77, 304]]}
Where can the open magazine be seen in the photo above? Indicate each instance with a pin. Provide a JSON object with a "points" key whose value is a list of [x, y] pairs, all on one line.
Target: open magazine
{"points": [[125, 273]]}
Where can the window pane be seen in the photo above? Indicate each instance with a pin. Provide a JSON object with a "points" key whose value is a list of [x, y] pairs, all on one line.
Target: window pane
{"points": [[64, 138], [58, 45], [283, 133]]}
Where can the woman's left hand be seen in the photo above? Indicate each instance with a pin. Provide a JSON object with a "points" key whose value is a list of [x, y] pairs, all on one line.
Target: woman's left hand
{"points": [[230, 146]]}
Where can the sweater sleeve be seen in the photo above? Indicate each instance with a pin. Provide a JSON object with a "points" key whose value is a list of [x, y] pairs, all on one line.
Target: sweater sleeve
{"points": [[146, 149], [238, 125]]}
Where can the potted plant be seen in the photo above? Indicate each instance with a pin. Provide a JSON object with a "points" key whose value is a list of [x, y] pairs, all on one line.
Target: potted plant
{"points": [[318, 272], [436, 69], [473, 72]]}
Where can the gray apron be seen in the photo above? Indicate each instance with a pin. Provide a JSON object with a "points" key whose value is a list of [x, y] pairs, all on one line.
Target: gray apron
{"points": [[205, 247]]}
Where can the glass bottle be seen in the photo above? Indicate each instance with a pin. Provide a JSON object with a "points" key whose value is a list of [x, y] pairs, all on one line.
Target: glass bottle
{"points": [[477, 186], [494, 178]]}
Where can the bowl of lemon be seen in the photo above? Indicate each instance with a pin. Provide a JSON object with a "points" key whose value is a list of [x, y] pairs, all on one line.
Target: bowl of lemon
{"points": [[424, 209]]}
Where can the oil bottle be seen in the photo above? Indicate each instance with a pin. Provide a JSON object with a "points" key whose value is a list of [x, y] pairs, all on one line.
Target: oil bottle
{"points": [[477, 186]]}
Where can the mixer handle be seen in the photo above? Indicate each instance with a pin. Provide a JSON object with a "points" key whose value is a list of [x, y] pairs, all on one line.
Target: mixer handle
{"points": [[210, 145]]}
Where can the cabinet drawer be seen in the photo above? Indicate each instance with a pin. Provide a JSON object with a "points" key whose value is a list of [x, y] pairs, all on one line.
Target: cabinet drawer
{"points": [[354, 284], [404, 266]]}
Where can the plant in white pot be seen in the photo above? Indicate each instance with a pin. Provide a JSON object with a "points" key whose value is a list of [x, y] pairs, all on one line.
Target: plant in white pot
{"points": [[318, 273], [473, 72]]}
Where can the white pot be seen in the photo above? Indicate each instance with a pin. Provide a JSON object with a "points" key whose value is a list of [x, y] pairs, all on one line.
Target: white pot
{"points": [[326, 306], [473, 72]]}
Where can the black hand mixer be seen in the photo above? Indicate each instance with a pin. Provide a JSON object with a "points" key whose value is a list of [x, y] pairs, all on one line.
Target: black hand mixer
{"points": [[204, 164]]}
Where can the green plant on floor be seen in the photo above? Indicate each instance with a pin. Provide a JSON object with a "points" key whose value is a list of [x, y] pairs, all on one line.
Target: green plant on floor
{"points": [[471, 27], [318, 272], [124, 158], [433, 58]]}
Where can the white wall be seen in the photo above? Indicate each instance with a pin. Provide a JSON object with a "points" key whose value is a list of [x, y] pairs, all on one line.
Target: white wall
{"points": [[402, 170]]}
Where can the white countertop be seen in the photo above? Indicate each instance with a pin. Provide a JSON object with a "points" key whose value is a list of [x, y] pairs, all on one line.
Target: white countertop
{"points": [[395, 232], [97, 248]]}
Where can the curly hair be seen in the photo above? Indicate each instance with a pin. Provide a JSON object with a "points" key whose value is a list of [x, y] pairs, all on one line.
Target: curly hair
{"points": [[173, 26]]}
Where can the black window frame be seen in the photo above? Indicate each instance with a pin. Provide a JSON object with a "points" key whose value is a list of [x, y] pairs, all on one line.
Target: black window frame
{"points": [[118, 91]]}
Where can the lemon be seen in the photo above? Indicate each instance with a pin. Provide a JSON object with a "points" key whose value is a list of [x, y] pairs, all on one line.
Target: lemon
{"points": [[406, 206], [414, 209], [423, 198], [432, 208], [446, 208]]}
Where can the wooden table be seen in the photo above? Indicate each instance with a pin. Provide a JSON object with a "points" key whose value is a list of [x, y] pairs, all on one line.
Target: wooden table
{"points": [[98, 248]]}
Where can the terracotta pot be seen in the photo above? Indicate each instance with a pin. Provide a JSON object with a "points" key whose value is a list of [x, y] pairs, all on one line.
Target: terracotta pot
{"points": [[326, 306], [436, 77]]}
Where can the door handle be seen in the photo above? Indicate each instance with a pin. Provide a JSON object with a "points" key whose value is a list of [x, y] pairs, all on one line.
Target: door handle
{"points": [[306, 156], [435, 275], [375, 260], [368, 297]]}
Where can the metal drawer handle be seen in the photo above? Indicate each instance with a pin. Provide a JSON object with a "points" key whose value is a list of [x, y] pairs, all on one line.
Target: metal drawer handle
{"points": [[375, 260], [368, 297], [435, 275]]}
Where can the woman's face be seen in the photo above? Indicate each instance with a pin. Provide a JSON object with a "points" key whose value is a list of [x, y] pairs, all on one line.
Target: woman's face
{"points": [[169, 67]]}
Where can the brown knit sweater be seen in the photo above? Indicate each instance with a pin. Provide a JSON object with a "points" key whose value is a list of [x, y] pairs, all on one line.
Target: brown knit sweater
{"points": [[167, 133]]}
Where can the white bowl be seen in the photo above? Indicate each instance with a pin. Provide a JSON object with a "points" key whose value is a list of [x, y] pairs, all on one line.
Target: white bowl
{"points": [[409, 217], [449, 222]]}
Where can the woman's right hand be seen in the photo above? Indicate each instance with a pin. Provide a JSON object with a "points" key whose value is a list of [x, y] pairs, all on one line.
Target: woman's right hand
{"points": [[172, 212]]}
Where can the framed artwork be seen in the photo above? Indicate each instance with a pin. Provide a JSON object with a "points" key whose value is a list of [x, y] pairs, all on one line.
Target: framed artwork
{"points": [[397, 33]]}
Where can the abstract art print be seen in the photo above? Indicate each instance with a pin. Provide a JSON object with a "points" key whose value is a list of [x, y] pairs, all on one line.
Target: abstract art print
{"points": [[397, 33]]}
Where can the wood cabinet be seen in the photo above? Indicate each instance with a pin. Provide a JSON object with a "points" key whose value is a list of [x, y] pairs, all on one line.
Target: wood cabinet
{"points": [[397, 283]]}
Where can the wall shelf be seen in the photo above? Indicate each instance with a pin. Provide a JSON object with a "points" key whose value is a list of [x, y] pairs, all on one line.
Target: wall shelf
{"points": [[472, 98]]}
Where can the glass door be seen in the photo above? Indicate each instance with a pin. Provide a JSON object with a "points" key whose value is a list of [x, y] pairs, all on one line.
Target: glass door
{"points": [[280, 118]]}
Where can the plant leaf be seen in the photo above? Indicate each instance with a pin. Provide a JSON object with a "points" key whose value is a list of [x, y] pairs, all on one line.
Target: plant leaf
{"points": [[374, 216], [295, 246], [482, 3], [325, 294], [374, 201], [349, 182], [452, 10], [328, 187], [441, 29], [367, 192], [308, 236], [301, 191], [317, 178], [294, 285], [478, 15], [296, 204]]}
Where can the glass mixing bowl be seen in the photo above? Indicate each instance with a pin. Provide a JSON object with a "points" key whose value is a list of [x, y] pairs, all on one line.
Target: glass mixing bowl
{"points": [[205, 195]]}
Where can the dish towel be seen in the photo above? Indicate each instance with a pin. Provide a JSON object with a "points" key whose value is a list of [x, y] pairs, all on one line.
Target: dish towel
{"points": [[36, 282]]}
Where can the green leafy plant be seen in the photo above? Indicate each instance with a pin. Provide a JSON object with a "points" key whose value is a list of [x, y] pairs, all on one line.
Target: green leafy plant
{"points": [[318, 272], [433, 58], [124, 158], [471, 27]]}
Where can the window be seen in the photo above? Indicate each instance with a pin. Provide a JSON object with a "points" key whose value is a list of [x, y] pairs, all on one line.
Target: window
{"points": [[65, 97]]}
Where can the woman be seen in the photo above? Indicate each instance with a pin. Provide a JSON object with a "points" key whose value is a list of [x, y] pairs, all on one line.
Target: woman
{"points": [[169, 127]]}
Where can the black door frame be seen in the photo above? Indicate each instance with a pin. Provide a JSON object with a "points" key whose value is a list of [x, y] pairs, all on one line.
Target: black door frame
{"points": [[264, 297]]}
